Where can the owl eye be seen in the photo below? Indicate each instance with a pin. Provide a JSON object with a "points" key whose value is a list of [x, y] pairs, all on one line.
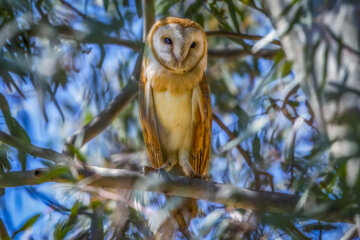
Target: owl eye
{"points": [[193, 45], [167, 41]]}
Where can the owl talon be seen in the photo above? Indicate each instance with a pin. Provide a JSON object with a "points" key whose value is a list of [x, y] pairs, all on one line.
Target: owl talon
{"points": [[163, 173], [167, 166], [147, 169], [205, 177]]}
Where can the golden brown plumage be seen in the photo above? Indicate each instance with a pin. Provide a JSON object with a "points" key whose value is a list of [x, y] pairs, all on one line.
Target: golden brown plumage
{"points": [[174, 101]]}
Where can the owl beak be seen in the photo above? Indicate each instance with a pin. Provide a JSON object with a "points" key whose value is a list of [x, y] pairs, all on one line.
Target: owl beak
{"points": [[178, 58], [180, 55], [179, 62]]}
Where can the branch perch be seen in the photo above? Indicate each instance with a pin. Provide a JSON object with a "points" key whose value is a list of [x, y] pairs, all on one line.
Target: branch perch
{"points": [[226, 194], [229, 195], [172, 185]]}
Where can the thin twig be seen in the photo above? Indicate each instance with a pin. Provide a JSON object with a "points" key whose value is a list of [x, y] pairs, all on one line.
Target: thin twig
{"points": [[85, 37], [246, 156], [237, 53], [340, 41], [96, 38], [104, 119], [251, 5], [73, 8], [239, 36], [44, 153]]}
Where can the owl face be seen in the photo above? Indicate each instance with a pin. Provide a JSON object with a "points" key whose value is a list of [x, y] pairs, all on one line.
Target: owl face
{"points": [[178, 44]]}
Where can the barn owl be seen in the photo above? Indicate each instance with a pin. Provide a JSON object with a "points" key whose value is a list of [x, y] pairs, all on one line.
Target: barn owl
{"points": [[174, 98]]}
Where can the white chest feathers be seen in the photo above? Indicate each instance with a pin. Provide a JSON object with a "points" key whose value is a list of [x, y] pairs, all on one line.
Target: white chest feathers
{"points": [[173, 114]]}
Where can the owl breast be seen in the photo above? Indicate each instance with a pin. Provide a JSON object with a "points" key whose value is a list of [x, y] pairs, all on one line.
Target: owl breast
{"points": [[173, 113]]}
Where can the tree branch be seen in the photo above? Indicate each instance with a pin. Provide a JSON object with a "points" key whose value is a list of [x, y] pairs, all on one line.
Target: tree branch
{"points": [[148, 16], [85, 37], [164, 183], [246, 156], [226, 194], [104, 119], [97, 38], [32, 149], [238, 36], [229, 195]]}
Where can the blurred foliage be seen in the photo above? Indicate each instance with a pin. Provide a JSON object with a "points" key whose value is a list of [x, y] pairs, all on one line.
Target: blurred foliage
{"points": [[63, 61]]}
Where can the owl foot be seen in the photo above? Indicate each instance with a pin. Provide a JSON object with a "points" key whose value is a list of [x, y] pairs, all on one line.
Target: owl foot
{"points": [[168, 165], [205, 177], [161, 171], [147, 169], [164, 174]]}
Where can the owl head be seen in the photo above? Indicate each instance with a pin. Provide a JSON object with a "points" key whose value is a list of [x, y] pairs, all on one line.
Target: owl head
{"points": [[178, 44]]}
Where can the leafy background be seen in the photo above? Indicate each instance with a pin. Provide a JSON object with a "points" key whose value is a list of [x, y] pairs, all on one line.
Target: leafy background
{"points": [[62, 62]]}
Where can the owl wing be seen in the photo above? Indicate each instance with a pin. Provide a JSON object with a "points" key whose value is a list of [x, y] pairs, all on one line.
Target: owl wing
{"points": [[148, 122], [201, 128]]}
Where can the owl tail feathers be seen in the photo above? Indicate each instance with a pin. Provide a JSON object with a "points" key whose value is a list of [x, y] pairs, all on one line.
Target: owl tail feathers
{"points": [[183, 225], [182, 217]]}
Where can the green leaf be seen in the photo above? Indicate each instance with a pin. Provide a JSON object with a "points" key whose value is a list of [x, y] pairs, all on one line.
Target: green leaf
{"points": [[162, 7], [325, 69], [200, 19], [256, 147], [106, 4], [293, 103], [15, 128], [55, 172], [4, 106], [4, 160], [295, 20], [76, 152], [242, 116], [63, 228], [28, 224], [13, 125], [287, 9], [193, 8], [117, 9], [138, 8], [286, 68], [232, 10]]}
